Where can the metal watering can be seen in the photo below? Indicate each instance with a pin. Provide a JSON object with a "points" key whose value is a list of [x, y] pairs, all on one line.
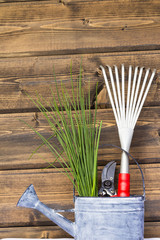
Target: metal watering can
{"points": [[96, 218]]}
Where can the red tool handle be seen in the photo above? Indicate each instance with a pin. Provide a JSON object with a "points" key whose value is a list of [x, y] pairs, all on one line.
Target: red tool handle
{"points": [[124, 185]]}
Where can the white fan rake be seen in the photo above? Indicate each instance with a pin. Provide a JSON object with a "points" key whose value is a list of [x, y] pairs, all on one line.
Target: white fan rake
{"points": [[127, 108]]}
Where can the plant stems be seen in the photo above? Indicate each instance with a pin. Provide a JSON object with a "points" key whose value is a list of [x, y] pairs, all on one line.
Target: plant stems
{"points": [[77, 132]]}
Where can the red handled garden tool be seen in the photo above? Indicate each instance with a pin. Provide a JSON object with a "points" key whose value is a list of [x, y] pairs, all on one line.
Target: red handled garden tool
{"points": [[126, 109]]}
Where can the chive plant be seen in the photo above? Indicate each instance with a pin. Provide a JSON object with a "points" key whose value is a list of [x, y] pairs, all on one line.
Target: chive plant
{"points": [[78, 133]]}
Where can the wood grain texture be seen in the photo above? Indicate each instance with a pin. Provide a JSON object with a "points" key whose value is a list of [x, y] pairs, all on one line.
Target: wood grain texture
{"points": [[149, 226], [35, 74], [56, 232], [40, 27], [34, 37], [18, 140], [34, 232], [47, 10]]}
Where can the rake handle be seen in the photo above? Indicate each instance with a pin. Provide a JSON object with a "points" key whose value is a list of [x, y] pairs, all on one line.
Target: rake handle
{"points": [[124, 185]]}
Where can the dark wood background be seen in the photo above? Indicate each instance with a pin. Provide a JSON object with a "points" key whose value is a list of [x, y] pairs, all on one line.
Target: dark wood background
{"points": [[34, 37]]}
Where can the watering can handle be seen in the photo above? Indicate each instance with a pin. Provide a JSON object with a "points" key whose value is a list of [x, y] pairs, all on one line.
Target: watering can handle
{"points": [[112, 145], [129, 155]]}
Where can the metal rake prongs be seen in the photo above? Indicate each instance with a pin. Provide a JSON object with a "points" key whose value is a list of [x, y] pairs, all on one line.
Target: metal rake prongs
{"points": [[127, 108]]}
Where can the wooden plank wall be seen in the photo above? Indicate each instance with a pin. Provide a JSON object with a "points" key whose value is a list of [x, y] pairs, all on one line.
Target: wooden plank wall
{"points": [[34, 37]]}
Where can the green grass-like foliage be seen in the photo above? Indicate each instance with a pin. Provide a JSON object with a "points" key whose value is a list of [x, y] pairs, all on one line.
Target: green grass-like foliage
{"points": [[75, 126]]}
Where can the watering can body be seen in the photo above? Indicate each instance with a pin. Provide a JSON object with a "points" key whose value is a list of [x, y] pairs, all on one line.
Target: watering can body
{"points": [[96, 218], [109, 218]]}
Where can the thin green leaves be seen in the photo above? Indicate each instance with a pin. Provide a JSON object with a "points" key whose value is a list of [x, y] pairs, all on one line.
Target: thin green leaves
{"points": [[75, 126]]}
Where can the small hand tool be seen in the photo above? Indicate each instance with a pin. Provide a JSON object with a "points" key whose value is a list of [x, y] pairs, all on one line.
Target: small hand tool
{"points": [[107, 189]]}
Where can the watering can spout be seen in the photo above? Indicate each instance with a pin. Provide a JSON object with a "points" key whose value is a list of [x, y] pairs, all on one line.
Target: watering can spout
{"points": [[29, 199]]}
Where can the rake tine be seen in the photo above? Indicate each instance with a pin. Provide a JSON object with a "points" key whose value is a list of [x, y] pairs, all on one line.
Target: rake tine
{"points": [[110, 95], [118, 89], [114, 92], [128, 93], [136, 92], [132, 94], [144, 96], [123, 96]]}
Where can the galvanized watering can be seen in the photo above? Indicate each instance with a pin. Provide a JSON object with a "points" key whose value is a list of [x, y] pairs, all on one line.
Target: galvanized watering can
{"points": [[96, 218]]}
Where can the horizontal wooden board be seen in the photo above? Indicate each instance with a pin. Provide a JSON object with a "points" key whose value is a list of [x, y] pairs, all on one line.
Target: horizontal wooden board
{"points": [[47, 10], [34, 232], [55, 190], [53, 1], [18, 141], [151, 230], [35, 74], [65, 2], [40, 27]]}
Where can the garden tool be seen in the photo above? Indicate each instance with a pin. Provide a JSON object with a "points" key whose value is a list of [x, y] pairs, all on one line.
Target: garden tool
{"points": [[107, 177], [126, 110]]}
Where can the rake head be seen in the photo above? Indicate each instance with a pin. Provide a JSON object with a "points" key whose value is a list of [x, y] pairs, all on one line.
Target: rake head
{"points": [[127, 100]]}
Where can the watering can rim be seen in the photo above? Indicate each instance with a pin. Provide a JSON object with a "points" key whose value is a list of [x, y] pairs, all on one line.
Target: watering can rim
{"points": [[109, 198]]}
